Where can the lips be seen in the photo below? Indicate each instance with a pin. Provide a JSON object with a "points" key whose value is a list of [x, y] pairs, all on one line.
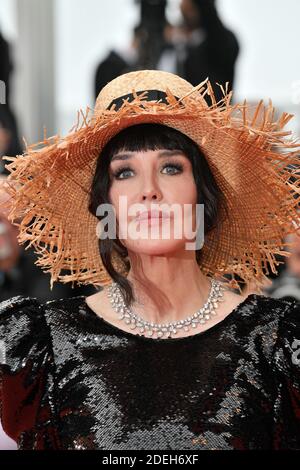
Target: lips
{"points": [[153, 214]]}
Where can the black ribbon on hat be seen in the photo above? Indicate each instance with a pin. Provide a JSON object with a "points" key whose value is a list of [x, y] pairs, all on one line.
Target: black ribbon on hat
{"points": [[152, 95]]}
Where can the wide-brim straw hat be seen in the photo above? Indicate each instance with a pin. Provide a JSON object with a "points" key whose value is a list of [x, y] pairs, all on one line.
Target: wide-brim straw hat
{"points": [[253, 159]]}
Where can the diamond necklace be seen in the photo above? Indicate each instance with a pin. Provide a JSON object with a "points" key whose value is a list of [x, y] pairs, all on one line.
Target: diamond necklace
{"points": [[200, 317]]}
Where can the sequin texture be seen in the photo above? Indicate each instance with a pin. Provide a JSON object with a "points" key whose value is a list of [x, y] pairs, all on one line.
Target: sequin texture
{"points": [[71, 380]]}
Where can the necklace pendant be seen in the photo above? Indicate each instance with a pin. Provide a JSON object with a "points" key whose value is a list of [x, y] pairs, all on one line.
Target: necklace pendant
{"points": [[164, 329], [149, 329]]}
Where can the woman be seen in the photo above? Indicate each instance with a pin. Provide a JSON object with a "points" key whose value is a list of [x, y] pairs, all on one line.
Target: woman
{"points": [[165, 355]]}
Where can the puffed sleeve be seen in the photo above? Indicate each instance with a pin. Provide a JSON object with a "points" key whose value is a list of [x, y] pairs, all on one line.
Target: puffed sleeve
{"points": [[27, 374], [286, 372]]}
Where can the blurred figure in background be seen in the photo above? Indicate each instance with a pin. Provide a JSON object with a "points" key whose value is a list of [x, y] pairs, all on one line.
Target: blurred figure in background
{"points": [[149, 42], [19, 275], [9, 247], [9, 138], [205, 47], [116, 63], [287, 285], [199, 47]]}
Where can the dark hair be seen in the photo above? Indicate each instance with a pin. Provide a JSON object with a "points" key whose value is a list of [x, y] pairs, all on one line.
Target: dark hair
{"points": [[142, 137]]}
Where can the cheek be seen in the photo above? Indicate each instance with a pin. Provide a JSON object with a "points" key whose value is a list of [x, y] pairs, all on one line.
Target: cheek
{"points": [[182, 190], [191, 192], [114, 201], [114, 196], [125, 188]]}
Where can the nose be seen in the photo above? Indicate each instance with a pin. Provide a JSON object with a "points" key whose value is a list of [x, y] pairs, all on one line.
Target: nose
{"points": [[152, 194], [151, 191], [149, 183]]}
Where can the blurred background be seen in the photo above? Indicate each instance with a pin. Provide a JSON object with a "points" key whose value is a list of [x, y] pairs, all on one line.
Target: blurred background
{"points": [[56, 55]]}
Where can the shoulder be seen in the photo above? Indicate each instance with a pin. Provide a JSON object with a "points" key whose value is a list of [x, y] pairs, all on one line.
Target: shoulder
{"points": [[22, 307], [72, 324], [28, 319], [23, 330], [266, 313], [64, 308], [67, 318], [258, 320], [19, 315], [30, 328], [17, 304], [283, 314], [263, 309], [255, 309]]}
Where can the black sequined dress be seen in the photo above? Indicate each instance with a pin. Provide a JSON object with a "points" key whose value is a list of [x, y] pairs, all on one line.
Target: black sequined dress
{"points": [[71, 380]]}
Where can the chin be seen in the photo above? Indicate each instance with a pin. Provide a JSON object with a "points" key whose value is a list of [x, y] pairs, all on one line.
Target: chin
{"points": [[156, 247]]}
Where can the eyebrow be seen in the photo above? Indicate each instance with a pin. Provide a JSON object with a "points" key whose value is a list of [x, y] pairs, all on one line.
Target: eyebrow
{"points": [[162, 154]]}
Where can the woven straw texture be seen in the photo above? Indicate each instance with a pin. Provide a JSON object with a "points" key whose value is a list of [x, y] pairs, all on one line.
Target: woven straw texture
{"points": [[254, 160]]}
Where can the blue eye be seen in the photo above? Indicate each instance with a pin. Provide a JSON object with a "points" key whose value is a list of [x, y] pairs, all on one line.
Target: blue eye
{"points": [[119, 174], [176, 166]]}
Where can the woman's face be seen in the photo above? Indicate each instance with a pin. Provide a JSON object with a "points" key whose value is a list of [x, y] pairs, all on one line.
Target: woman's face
{"points": [[154, 179]]}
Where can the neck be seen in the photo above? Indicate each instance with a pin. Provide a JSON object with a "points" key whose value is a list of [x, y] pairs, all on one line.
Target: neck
{"points": [[167, 288]]}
